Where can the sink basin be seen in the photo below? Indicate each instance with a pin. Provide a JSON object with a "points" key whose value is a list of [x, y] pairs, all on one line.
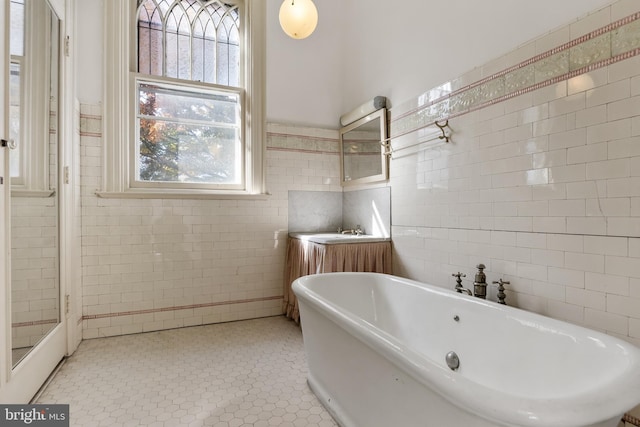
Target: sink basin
{"points": [[337, 238]]}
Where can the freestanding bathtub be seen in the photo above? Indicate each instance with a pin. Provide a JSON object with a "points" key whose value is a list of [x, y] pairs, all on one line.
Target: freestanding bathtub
{"points": [[376, 347]]}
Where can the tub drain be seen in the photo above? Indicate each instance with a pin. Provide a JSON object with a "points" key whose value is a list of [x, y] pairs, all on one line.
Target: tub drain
{"points": [[453, 361]]}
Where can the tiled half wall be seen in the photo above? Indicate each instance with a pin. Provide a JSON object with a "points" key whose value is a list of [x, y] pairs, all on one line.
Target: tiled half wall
{"points": [[541, 181], [153, 264]]}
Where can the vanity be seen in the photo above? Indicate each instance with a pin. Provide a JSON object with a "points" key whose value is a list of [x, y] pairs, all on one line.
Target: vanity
{"points": [[315, 253], [365, 200]]}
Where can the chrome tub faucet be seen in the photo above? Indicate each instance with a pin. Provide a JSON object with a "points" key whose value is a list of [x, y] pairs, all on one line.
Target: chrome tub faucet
{"points": [[459, 288], [480, 285], [357, 231]]}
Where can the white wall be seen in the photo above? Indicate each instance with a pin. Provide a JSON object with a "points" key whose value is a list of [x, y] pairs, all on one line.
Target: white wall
{"points": [[89, 50], [401, 49], [304, 77]]}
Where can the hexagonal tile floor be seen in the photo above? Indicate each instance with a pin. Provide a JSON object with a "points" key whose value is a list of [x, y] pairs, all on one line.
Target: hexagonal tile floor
{"points": [[239, 374]]}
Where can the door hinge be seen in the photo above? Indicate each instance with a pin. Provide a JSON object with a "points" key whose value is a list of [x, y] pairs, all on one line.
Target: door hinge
{"points": [[66, 46], [9, 143], [66, 304], [66, 174]]}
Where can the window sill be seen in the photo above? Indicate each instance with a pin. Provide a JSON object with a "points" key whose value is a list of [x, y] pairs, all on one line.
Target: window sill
{"points": [[35, 194], [181, 194]]}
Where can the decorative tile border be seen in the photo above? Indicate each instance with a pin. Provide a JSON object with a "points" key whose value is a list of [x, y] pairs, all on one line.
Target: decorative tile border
{"points": [[615, 42], [302, 143], [178, 307], [90, 125], [34, 323]]}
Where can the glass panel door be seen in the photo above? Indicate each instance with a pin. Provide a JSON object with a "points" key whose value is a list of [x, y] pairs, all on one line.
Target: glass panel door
{"points": [[33, 330], [35, 285]]}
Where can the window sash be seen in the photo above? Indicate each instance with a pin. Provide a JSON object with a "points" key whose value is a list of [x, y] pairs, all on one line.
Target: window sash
{"points": [[200, 90]]}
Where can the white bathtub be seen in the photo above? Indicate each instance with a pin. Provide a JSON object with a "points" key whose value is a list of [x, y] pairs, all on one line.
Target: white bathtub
{"points": [[376, 347]]}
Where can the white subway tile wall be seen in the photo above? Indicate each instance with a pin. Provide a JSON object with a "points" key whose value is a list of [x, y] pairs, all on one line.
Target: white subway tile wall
{"points": [[542, 186], [159, 264], [34, 256], [34, 269]]}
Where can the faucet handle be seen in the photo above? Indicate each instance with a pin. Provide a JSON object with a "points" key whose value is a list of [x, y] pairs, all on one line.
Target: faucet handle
{"points": [[501, 295], [458, 277]]}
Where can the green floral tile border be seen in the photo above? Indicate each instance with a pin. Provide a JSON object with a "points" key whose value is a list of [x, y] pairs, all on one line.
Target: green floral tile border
{"points": [[615, 42], [301, 143]]}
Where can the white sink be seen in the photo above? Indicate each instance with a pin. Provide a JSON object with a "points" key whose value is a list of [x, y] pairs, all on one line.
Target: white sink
{"points": [[338, 238]]}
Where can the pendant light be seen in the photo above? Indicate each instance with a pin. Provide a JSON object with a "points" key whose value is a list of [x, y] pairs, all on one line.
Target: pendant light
{"points": [[298, 18]]}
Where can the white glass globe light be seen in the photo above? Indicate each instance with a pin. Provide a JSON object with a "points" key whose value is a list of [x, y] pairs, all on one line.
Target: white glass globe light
{"points": [[298, 18]]}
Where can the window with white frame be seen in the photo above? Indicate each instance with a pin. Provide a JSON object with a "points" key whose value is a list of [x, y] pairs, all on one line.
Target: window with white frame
{"points": [[195, 112]]}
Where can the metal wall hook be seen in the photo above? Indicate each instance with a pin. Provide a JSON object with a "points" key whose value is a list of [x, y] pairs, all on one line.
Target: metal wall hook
{"points": [[445, 125]]}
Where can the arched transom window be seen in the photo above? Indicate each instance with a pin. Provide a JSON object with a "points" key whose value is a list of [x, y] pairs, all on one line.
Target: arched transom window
{"points": [[190, 39]]}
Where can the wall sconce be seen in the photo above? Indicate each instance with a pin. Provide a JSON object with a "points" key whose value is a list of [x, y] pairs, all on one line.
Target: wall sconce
{"points": [[298, 18]]}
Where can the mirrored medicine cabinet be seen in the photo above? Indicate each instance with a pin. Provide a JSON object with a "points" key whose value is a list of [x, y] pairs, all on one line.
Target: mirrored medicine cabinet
{"points": [[362, 150]]}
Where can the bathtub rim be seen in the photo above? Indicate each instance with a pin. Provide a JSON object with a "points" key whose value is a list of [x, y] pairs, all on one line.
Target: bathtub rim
{"points": [[579, 409]]}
